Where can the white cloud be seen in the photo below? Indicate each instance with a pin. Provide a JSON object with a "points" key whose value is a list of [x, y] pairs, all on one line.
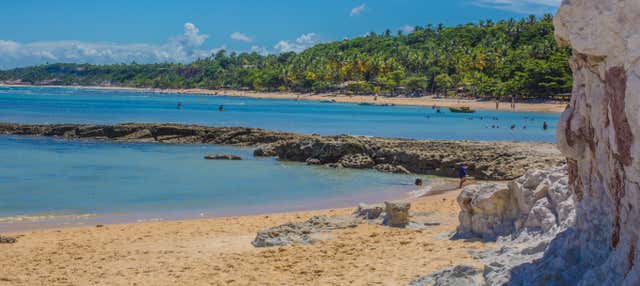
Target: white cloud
{"points": [[521, 6], [407, 29], [182, 48], [302, 43], [261, 50], [237, 36], [355, 11]]}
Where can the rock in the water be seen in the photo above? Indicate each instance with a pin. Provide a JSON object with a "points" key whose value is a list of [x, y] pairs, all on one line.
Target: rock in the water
{"points": [[461, 275], [366, 211], [486, 160], [265, 151], [313, 161], [302, 232], [397, 214], [222, 157], [7, 239]]}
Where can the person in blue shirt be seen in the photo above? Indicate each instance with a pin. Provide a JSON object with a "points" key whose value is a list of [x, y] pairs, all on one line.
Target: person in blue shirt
{"points": [[462, 174]]}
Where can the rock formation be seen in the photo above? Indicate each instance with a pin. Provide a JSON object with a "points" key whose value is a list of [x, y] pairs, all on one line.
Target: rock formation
{"points": [[599, 134], [461, 275], [302, 232], [372, 211], [396, 214], [539, 201], [523, 216], [7, 239], [486, 160]]}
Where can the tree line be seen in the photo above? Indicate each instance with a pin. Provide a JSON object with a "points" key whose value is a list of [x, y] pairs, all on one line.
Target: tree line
{"points": [[486, 59]]}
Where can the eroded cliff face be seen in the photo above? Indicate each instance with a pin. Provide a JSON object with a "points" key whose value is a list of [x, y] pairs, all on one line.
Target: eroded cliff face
{"points": [[600, 134]]}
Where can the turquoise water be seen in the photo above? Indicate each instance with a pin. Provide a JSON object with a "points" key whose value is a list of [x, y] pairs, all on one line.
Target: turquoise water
{"points": [[68, 105], [43, 176], [121, 182]]}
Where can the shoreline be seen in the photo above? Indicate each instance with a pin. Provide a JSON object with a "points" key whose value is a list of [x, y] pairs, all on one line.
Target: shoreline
{"points": [[50, 221], [219, 251], [425, 101]]}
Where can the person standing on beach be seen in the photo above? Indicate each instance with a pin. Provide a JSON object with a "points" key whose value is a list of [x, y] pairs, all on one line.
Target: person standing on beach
{"points": [[462, 174]]}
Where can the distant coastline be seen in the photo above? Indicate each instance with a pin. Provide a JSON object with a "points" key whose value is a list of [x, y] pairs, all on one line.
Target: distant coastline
{"points": [[426, 101]]}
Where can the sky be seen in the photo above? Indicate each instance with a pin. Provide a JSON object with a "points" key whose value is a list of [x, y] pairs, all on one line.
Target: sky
{"points": [[120, 31]]}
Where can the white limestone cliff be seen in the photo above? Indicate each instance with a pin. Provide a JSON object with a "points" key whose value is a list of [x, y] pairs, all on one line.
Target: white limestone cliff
{"points": [[600, 134]]}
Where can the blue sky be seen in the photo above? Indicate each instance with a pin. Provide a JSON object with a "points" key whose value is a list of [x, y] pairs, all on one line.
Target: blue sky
{"points": [[33, 32]]}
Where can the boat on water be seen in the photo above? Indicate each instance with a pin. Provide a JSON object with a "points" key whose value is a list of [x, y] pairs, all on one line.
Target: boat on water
{"points": [[462, 109]]}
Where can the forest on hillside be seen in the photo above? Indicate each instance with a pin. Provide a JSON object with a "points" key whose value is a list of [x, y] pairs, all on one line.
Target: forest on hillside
{"points": [[485, 59]]}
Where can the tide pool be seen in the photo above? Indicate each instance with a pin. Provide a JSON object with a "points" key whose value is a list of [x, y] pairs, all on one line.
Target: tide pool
{"points": [[71, 105], [42, 177]]}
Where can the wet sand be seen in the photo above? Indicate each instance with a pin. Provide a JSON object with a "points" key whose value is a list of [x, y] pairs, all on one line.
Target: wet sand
{"points": [[426, 101], [218, 252]]}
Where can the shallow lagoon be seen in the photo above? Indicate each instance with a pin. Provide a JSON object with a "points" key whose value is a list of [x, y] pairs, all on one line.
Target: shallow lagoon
{"points": [[58, 180]]}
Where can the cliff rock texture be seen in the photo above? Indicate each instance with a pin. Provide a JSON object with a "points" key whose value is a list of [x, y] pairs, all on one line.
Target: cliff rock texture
{"points": [[599, 133]]}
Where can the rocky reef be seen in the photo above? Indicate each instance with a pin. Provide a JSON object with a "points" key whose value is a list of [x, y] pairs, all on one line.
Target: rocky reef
{"points": [[485, 160]]}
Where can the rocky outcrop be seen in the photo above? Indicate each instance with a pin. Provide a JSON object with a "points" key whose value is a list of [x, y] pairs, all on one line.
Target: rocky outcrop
{"points": [[7, 239], [485, 160], [522, 216], [539, 201], [487, 210], [599, 133], [222, 157], [461, 275], [366, 211], [302, 232], [391, 214]]}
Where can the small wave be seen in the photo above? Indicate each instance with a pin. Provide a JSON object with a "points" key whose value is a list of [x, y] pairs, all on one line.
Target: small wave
{"points": [[43, 217]]}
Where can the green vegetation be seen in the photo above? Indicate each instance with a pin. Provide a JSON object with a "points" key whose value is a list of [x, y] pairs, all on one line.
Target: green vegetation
{"points": [[484, 60]]}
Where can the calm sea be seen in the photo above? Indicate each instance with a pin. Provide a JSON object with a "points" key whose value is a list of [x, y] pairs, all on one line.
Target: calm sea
{"points": [[48, 182]]}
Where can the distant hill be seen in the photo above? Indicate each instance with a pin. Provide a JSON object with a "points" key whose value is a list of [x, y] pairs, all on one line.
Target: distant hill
{"points": [[487, 59]]}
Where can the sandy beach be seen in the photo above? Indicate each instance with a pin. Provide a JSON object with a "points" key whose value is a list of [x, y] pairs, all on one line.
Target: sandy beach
{"points": [[426, 101], [218, 252]]}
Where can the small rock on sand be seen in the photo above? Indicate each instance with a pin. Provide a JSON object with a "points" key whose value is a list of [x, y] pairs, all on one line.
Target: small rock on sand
{"points": [[7, 239], [366, 211], [397, 214]]}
